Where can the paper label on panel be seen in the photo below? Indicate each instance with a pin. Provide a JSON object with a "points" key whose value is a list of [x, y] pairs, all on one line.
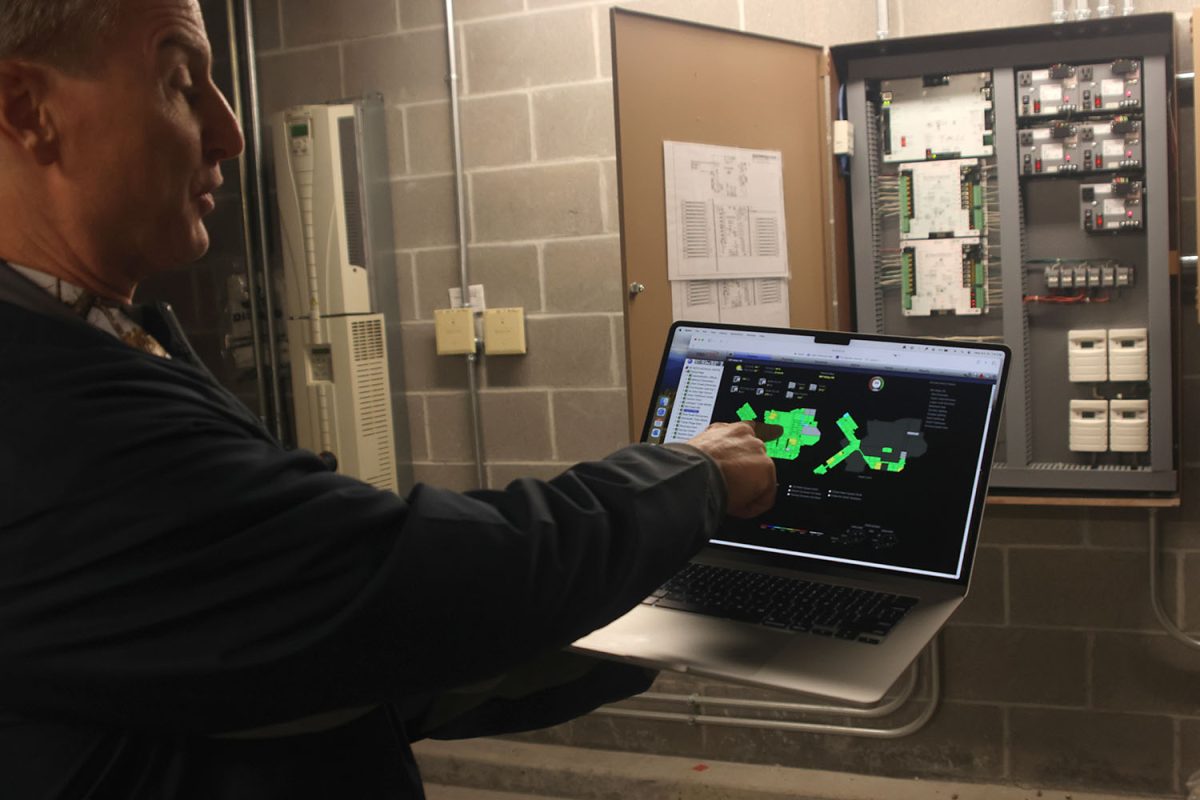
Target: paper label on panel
{"points": [[725, 215], [750, 301], [1113, 148]]}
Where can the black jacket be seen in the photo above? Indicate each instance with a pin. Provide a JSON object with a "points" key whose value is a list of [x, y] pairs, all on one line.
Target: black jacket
{"points": [[170, 574]]}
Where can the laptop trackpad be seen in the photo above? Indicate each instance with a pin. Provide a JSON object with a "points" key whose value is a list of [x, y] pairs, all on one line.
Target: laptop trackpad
{"points": [[681, 641]]}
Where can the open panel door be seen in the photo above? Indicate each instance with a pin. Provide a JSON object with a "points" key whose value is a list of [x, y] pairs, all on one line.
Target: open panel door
{"points": [[679, 81]]}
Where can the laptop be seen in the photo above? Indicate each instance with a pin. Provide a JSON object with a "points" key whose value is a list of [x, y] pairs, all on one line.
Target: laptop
{"points": [[882, 468]]}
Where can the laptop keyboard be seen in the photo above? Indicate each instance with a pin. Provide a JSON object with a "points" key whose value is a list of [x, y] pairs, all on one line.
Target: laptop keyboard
{"points": [[775, 601]]}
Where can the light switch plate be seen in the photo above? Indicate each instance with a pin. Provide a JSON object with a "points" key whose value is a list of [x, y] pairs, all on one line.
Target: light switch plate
{"points": [[504, 331], [454, 330]]}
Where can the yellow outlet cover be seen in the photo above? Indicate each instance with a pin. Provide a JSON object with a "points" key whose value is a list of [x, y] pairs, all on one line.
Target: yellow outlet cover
{"points": [[504, 331], [454, 330]]}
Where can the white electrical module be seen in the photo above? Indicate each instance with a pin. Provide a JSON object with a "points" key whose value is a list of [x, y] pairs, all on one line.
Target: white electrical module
{"points": [[1128, 355], [937, 116], [943, 276], [338, 348], [1087, 356], [941, 199], [1130, 426], [1088, 426]]}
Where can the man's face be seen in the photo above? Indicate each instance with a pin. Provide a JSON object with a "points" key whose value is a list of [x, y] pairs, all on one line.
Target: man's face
{"points": [[143, 137]]}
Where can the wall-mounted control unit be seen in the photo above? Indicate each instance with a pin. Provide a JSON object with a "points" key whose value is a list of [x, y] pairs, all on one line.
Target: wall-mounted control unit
{"points": [[338, 346], [1080, 88], [1053, 148], [1088, 426], [1014, 186], [1115, 206], [1129, 426], [1087, 356]]}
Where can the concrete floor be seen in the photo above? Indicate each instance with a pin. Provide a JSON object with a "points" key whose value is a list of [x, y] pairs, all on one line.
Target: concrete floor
{"points": [[439, 792], [498, 769]]}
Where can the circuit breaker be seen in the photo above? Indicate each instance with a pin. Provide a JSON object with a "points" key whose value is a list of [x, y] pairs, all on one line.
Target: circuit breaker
{"points": [[1013, 185]]}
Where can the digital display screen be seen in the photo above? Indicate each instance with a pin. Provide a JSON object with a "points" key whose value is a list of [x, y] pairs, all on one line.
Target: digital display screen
{"points": [[878, 462], [299, 130]]}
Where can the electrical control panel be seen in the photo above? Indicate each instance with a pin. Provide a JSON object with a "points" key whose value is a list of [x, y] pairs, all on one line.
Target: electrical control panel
{"points": [[941, 198], [937, 116], [1014, 186], [1115, 206], [943, 276], [1053, 148], [1080, 88]]}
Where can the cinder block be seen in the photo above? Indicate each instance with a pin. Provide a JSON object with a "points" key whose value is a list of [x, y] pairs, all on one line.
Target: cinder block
{"points": [[431, 144], [583, 275], [814, 23], [536, 202], [290, 78], [516, 425], [605, 430], [1079, 750], [531, 50], [574, 121], [407, 67], [496, 131], [564, 352], [1015, 665], [424, 212], [1144, 673], [1075, 588], [315, 22]]}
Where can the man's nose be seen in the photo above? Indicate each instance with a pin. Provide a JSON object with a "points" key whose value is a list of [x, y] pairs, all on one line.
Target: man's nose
{"points": [[222, 134]]}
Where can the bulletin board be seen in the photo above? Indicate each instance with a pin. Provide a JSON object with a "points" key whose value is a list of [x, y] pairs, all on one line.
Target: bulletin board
{"points": [[684, 82]]}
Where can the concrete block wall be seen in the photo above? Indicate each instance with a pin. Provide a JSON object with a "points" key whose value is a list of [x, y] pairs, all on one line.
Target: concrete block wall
{"points": [[1056, 672]]}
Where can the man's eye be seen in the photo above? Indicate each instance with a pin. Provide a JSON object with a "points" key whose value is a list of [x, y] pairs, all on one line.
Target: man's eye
{"points": [[183, 83]]}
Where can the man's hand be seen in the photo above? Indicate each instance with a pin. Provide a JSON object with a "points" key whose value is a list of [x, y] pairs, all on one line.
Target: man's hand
{"points": [[738, 449]]}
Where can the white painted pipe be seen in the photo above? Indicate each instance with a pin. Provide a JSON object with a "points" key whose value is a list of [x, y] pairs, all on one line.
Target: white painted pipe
{"points": [[1106, 8], [881, 19], [1082, 10], [1127, 9], [1058, 10]]}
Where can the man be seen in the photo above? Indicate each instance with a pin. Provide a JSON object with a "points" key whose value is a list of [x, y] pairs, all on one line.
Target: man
{"points": [[186, 609]]}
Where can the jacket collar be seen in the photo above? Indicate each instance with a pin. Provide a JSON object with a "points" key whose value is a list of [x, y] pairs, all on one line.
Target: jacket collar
{"points": [[18, 290]]}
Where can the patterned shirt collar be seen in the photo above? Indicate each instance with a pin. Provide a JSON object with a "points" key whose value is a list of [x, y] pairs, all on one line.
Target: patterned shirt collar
{"points": [[105, 315]]}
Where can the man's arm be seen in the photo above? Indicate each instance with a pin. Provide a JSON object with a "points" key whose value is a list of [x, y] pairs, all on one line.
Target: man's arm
{"points": [[161, 565]]}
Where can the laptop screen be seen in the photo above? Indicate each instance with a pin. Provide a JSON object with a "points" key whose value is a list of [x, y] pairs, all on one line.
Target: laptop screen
{"points": [[885, 442]]}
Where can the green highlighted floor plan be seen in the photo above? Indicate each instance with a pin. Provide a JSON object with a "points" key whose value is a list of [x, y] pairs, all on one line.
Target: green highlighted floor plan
{"points": [[799, 430], [887, 447], [895, 442]]}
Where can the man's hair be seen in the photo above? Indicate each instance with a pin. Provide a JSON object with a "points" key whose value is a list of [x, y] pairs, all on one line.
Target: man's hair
{"points": [[62, 33]]}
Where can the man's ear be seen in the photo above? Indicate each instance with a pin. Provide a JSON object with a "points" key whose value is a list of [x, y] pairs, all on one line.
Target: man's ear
{"points": [[25, 121]]}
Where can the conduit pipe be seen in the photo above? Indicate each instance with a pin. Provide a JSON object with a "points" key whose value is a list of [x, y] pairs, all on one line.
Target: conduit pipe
{"points": [[1058, 10], [1163, 618], [461, 212], [881, 19], [253, 124], [868, 712], [694, 701]]}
